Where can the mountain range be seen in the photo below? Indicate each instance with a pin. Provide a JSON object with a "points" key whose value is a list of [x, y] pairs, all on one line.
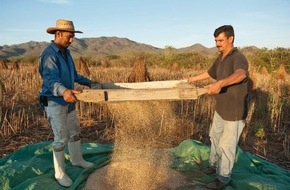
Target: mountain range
{"points": [[101, 46]]}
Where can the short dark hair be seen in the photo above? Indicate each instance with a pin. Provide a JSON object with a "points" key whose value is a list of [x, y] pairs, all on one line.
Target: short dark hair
{"points": [[227, 29]]}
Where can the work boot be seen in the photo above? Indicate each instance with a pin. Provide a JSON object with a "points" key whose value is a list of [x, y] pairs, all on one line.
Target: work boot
{"points": [[216, 184], [59, 169], [76, 155]]}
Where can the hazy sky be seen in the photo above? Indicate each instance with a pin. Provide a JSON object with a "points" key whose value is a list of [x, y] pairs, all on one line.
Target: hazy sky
{"points": [[177, 23]]}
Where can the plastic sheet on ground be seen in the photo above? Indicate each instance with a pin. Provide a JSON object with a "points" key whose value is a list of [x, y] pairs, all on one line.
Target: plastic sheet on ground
{"points": [[249, 173], [31, 168]]}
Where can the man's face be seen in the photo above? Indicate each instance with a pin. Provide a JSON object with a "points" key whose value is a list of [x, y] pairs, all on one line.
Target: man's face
{"points": [[65, 38], [223, 43]]}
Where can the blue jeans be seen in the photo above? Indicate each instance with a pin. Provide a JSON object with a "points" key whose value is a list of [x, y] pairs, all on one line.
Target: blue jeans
{"points": [[224, 136], [65, 126]]}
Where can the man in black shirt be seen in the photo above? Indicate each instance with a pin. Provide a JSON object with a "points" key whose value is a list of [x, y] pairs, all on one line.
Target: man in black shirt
{"points": [[230, 70]]}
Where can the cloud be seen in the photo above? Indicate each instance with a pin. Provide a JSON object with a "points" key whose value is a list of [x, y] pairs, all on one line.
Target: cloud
{"points": [[56, 1]]}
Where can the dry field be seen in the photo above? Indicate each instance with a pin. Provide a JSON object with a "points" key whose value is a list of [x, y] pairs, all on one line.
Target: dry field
{"points": [[159, 124]]}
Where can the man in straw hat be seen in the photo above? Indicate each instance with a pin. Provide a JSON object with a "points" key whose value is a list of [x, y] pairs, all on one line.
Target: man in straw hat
{"points": [[59, 74]]}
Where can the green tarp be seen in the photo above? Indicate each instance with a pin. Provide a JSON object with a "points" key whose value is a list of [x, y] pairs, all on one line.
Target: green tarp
{"points": [[249, 173], [31, 168]]}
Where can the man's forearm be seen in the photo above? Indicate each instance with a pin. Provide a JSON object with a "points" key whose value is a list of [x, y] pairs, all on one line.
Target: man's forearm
{"points": [[238, 76], [199, 77]]}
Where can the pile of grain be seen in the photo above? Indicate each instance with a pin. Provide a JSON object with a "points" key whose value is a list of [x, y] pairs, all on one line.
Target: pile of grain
{"points": [[143, 132]]}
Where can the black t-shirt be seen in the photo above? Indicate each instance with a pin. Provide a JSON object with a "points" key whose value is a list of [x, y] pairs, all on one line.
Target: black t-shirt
{"points": [[231, 102]]}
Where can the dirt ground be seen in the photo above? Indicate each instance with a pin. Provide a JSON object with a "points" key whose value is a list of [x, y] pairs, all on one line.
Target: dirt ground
{"points": [[91, 133]]}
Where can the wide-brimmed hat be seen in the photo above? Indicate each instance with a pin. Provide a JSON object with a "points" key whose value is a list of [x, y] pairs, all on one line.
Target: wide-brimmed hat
{"points": [[63, 25]]}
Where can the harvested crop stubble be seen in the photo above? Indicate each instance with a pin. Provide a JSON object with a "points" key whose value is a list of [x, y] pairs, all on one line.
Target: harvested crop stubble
{"points": [[2, 90], [82, 67], [143, 131]]}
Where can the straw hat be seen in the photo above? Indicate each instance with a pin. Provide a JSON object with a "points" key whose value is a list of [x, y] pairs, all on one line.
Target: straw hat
{"points": [[63, 25]]}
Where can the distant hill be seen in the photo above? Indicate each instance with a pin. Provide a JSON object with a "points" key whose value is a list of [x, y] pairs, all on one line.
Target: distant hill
{"points": [[20, 50], [199, 48], [109, 46], [95, 46]]}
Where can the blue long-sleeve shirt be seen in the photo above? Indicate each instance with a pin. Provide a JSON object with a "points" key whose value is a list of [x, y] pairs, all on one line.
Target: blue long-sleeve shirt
{"points": [[58, 74]]}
